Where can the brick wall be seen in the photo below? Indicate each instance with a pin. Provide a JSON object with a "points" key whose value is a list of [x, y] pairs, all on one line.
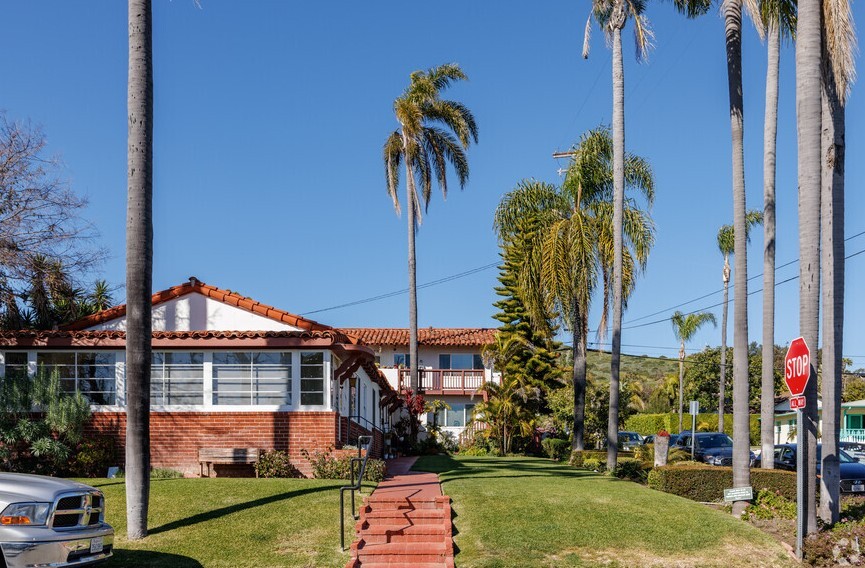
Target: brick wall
{"points": [[176, 437]]}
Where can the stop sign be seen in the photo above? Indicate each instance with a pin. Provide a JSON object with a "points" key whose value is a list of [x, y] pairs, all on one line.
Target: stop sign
{"points": [[797, 366]]}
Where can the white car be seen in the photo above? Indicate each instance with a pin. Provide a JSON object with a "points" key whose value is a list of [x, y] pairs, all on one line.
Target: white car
{"points": [[50, 522]]}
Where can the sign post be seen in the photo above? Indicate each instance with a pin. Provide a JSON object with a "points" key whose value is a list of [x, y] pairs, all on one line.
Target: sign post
{"points": [[695, 410], [797, 371]]}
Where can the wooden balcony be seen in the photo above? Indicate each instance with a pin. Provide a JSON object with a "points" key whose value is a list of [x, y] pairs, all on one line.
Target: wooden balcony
{"points": [[444, 381]]}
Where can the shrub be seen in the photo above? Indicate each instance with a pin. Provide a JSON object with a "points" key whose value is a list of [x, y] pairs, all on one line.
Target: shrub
{"points": [[94, 456], [771, 505], [706, 483], [165, 473], [579, 456], [837, 547], [556, 448], [473, 451], [42, 442], [630, 468], [594, 464], [326, 466], [275, 464]]}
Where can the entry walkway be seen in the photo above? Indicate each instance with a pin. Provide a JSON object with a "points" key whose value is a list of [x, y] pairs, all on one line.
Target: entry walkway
{"points": [[405, 522]]}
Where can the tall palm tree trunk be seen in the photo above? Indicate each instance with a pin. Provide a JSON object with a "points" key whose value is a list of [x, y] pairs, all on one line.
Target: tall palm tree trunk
{"points": [[618, 214], [411, 201], [741, 447], [722, 386], [579, 378], [139, 266], [770, 136], [681, 382], [832, 236], [808, 120]]}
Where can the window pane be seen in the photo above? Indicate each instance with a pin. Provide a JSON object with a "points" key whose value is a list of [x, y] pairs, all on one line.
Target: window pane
{"points": [[16, 364], [401, 360], [312, 378], [311, 399], [177, 378], [455, 415], [444, 361], [314, 358], [461, 361], [478, 362]]}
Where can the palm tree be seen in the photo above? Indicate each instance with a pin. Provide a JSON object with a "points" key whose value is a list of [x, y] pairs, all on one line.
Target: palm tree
{"points": [[139, 266], [778, 19], [808, 119], [574, 244], [432, 133], [685, 327], [726, 244], [611, 16], [839, 46]]}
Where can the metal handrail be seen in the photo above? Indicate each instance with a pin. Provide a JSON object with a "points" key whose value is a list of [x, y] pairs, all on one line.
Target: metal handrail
{"points": [[364, 443]]}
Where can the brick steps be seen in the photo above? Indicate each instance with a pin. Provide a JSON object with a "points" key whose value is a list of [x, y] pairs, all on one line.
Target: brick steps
{"points": [[399, 531]]}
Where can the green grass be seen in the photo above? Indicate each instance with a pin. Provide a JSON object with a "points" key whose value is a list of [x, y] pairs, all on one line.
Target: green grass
{"points": [[231, 523], [533, 512]]}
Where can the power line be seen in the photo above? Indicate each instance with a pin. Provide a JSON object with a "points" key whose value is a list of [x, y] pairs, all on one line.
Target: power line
{"points": [[405, 290], [849, 256], [777, 268]]}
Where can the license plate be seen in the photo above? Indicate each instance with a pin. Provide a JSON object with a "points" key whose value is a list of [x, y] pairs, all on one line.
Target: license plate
{"points": [[96, 545], [858, 488]]}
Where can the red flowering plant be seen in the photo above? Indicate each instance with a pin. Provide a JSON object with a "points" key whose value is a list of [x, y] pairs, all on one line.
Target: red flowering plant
{"points": [[415, 404], [663, 432]]}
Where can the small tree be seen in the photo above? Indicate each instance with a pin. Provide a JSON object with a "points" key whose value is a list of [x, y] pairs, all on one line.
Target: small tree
{"points": [[40, 442]]}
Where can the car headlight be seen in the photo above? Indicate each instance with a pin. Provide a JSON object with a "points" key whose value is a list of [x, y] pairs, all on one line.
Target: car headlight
{"points": [[34, 514], [716, 460]]}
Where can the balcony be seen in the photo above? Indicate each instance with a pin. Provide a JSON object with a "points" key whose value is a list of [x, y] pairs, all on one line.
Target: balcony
{"points": [[445, 381]]}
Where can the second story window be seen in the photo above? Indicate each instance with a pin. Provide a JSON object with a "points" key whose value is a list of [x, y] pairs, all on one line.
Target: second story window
{"points": [[401, 360], [460, 361]]}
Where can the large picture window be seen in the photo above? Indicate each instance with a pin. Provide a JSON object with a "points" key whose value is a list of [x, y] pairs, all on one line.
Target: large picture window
{"points": [[91, 374], [177, 378], [311, 378], [251, 378]]}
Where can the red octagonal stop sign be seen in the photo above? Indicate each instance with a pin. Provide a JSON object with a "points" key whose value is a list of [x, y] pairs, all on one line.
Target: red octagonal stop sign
{"points": [[797, 366]]}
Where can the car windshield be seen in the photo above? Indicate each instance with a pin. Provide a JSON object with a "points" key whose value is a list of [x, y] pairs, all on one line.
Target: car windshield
{"points": [[714, 441], [629, 437]]}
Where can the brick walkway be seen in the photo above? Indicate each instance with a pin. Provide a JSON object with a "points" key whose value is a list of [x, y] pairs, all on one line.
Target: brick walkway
{"points": [[405, 522]]}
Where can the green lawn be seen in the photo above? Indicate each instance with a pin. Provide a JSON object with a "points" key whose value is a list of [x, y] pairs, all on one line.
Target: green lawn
{"points": [[231, 523], [534, 512]]}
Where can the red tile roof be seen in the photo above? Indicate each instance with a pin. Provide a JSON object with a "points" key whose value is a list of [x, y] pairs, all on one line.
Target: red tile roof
{"points": [[224, 296], [443, 336]]}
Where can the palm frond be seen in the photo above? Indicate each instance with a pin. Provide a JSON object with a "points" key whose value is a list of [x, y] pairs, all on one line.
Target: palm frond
{"points": [[841, 45], [693, 8], [587, 37], [392, 161]]}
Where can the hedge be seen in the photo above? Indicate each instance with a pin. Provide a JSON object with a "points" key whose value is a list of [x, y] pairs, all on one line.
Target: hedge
{"points": [[579, 456], [706, 483], [646, 424]]}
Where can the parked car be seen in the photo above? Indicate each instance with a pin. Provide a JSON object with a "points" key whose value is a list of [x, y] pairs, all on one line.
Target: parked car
{"points": [[856, 450], [715, 448], [852, 472], [47, 521], [629, 441], [650, 439]]}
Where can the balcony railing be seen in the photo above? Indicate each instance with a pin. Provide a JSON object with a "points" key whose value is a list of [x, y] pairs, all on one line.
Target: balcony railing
{"points": [[445, 381], [852, 435]]}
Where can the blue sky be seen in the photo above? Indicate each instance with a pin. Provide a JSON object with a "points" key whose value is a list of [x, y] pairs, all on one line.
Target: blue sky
{"points": [[270, 117]]}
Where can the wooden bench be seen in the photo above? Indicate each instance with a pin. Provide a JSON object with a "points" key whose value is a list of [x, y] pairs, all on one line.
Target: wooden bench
{"points": [[208, 457]]}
